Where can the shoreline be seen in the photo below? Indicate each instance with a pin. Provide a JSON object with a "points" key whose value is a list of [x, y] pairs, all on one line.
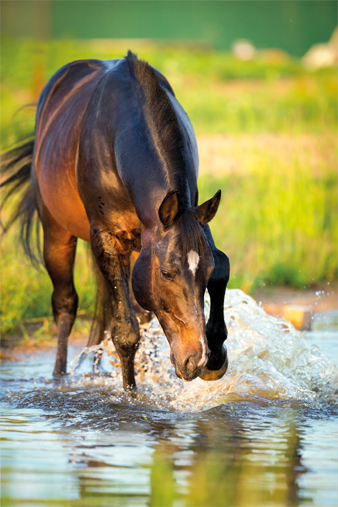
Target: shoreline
{"points": [[300, 307]]}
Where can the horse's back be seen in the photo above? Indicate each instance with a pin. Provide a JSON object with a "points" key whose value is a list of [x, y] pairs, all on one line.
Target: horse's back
{"points": [[140, 141], [61, 108], [99, 136]]}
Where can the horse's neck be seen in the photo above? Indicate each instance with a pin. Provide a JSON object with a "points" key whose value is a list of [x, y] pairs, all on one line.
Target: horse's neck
{"points": [[148, 178], [151, 157]]}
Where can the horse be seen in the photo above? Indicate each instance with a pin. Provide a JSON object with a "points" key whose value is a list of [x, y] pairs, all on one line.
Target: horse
{"points": [[114, 162]]}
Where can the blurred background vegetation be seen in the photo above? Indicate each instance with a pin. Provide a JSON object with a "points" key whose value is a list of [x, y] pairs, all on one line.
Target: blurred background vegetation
{"points": [[265, 119]]}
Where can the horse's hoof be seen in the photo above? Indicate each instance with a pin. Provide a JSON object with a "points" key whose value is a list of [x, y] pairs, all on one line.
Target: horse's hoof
{"points": [[132, 392], [130, 388], [58, 374], [216, 374]]}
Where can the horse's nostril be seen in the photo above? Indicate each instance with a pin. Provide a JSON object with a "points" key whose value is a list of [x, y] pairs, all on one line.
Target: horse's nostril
{"points": [[190, 364]]}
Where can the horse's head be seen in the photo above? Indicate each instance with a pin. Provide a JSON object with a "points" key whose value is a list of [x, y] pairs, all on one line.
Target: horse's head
{"points": [[170, 277]]}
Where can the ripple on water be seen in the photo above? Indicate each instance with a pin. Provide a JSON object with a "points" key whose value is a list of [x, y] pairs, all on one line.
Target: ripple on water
{"points": [[269, 361]]}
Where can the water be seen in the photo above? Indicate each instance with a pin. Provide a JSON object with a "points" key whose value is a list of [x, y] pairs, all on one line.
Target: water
{"points": [[265, 434]]}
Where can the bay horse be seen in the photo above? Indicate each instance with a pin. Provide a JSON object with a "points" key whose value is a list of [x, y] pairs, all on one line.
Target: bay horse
{"points": [[114, 162]]}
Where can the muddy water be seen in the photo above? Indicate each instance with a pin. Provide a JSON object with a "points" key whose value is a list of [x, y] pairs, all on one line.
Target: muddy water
{"points": [[265, 434]]}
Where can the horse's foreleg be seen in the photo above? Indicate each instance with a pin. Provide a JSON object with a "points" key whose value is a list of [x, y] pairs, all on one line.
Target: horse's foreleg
{"points": [[59, 254], [216, 330], [113, 260]]}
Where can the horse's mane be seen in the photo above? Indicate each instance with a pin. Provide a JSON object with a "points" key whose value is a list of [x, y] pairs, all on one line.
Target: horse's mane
{"points": [[169, 139], [162, 120]]}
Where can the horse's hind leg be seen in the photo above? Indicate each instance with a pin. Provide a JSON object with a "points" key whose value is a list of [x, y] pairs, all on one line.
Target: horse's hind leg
{"points": [[59, 254]]}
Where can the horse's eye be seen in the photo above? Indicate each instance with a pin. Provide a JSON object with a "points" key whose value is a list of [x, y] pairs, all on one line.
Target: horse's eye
{"points": [[166, 275]]}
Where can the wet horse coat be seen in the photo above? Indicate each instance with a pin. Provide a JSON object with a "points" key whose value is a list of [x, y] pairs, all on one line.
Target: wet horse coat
{"points": [[115, 163]]}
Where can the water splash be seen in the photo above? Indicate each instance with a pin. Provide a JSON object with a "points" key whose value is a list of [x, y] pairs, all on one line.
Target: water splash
{"points": [[269, 361]]}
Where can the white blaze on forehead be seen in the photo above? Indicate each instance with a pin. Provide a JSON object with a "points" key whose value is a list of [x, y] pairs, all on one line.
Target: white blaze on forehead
{"points": [[193, 260]]}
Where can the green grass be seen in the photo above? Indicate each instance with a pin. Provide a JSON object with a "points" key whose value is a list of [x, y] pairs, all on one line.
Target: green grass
{"points": [[26, 290], [220, 93], [277, 220], [267, 137]]}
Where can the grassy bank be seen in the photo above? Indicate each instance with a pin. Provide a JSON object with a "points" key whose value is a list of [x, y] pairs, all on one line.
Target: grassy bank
{"points": [[221, 94], [267, 137], [277, 221], [26, 290], [278, 217]]}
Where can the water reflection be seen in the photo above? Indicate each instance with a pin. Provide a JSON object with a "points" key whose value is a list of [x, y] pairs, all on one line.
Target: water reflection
{"points": [[238, 466], [263, 436], [241, 455]]}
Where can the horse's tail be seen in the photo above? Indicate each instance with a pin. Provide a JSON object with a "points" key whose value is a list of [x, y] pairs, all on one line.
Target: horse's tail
{"points": [[102, 318], [16, 167]]}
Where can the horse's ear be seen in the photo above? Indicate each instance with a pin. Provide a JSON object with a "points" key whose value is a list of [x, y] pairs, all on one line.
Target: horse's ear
{"points": [[206, 211], [169, 209]]}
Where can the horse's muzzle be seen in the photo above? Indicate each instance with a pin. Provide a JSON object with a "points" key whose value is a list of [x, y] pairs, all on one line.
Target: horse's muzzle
{"points": [[216, 366], [189, 370]]}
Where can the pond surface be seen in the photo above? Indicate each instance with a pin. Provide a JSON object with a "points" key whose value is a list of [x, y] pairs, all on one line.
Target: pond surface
{"points": [[264, 435]]}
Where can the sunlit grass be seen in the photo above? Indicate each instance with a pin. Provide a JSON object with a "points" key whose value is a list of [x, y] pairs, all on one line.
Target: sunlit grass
{"points": [[267, 138], [26, 290], [278, 216], [277, 222], [220, 93]]}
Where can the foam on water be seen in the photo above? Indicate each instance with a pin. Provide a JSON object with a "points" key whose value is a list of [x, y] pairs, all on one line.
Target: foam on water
{"points": [[268, 361]]}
